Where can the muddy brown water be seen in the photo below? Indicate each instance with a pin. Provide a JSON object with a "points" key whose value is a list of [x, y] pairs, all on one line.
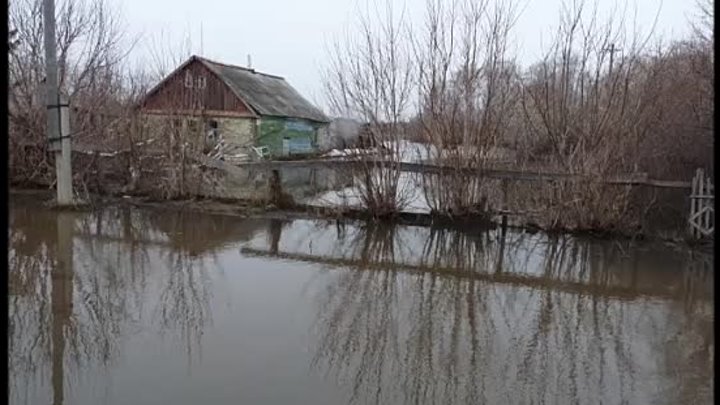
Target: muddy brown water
{"points": [[131, 306]]}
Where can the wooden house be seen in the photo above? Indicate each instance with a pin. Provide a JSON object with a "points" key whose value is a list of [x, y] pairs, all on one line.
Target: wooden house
{"points": [[245, 107]]}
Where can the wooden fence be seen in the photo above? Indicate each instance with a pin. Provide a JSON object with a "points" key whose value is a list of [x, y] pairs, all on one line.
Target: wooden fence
{"points": [[701, 218], [702, 207], [637, 179]]}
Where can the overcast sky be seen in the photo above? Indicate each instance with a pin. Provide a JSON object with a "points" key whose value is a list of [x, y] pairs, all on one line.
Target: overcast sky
{"points": [[289, 38]]}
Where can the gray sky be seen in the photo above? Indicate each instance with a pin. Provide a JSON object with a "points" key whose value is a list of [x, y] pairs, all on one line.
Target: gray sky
{"points": [[290, 37]]}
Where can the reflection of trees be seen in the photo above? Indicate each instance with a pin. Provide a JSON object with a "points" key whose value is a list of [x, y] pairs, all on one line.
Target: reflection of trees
{"points": [[30, 258], [690, 349], [346, 316], [111, 279], [184, 305], [68, 301], [437, 337], [81, 282]]}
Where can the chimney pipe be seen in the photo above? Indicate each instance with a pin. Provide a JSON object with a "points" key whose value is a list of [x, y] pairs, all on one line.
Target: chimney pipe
{"points": [[249, 62]]}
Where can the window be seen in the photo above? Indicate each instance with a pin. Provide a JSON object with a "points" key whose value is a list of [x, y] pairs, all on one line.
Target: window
{"points": [[188, 80], [201, 82], [212, 131]]}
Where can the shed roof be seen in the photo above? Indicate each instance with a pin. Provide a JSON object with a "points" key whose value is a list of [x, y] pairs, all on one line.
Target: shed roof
{"points": [[266, 94]]}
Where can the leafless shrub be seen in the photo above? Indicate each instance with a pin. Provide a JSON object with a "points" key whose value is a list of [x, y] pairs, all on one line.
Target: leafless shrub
{"points": [[468, 92], [682, 134], [166, 157], [588, 111], [370, 78]]}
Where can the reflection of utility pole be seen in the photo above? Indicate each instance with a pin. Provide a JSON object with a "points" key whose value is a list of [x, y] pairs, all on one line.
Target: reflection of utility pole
{"points": [[58, 121], [503, 230], [61, 301], [612, 49]]}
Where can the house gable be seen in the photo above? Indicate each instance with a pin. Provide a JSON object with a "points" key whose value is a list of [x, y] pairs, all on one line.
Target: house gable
{"points": [[193, 89]]}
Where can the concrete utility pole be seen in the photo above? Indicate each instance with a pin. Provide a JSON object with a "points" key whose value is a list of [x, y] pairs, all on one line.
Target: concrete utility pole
{"points": [[58, 119]]}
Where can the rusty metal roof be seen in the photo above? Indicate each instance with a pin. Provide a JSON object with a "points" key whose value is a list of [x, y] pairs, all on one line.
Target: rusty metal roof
{"points": [[266, 94]]}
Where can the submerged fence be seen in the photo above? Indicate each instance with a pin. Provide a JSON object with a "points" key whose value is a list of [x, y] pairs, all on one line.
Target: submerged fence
{"points": [[511, 192], [701, 209]]}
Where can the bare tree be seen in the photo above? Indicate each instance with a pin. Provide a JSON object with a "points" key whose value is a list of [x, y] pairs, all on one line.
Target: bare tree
{"points": [[114, 139], [371, 79], [703, 25], [468, 92], [166, 54], [588, 111], [90, 45]]}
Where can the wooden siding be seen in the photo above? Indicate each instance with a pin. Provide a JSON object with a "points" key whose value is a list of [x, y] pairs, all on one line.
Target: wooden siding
{"points": [[206, 94]]}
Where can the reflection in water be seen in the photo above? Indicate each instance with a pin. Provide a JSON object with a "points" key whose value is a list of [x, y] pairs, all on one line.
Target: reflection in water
{"points": [[30, 265], [506, 317], [79, 282], [409, 315]]}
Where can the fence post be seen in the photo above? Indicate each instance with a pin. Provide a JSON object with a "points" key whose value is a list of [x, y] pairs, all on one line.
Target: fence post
{"points": [[706, 205], [693, 205], [701, 206], [700, 202]]}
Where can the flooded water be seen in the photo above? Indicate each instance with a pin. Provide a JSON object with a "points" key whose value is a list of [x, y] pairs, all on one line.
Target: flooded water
{"points": [[152, 307]]}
